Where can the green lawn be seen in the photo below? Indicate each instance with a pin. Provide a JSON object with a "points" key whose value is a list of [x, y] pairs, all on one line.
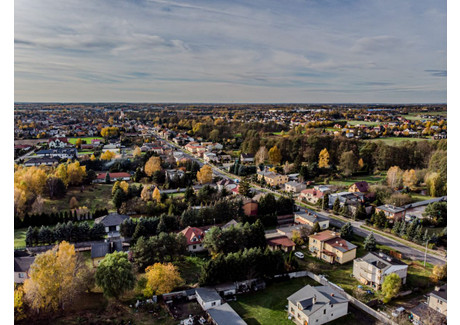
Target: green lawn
{"points": [[367, 123], [20, 237], [371, 179], [268, 306], [87, 139], [397, 140], [97, 196]]}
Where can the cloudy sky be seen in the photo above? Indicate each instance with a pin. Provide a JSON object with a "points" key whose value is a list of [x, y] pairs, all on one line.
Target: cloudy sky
{"points": [[387, 51]]}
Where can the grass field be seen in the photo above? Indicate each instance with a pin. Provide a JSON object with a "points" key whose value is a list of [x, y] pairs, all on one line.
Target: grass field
{"points": [[93, 197], [87, 139], [371, 179], [20, 237], [367, 123], [396, 140]]}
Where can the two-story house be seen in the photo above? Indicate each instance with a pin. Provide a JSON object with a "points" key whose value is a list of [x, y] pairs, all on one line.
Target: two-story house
{"points": [[194, 238], [330, 247], [316, 305], [374, 267], [391, 212]]}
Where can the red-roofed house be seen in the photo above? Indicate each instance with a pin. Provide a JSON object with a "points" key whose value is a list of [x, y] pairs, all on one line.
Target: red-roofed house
{"points": [[330, 247], [311, 195], [280, 242], [194, 238], [113, 177], [57, 142], [361, 187]]}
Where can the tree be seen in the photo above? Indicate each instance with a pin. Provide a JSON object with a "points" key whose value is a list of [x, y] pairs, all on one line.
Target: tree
{"points": [[369, 243], [56, 187], [323, 159], [204, 175], [152, 165], [391, 286], [434, 184], [118, 198], [156, 195], [214, 135], [316, 228], [348, 164], [336, 206], [398, 199], [274, 155], [261, 155], [161, 278], [439, 273], [137, 152], [107, 178], [346, 232], [437, 212], [73, 203], [108, 155], [19, 303], [410, 179], [360, 163], [394, 177], [115, 275], [48, 293], [244, 188], [297, 238]]}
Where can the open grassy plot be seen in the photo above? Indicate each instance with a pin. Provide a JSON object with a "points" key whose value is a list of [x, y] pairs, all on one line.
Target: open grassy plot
{"points": [[87, 139], [268, 306], [371, 179], [367, 123], [93, 197], [20, 237], [190, 268], [396, 140]]}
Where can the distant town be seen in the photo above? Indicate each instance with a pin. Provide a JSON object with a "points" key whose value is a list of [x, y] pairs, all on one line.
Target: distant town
{"points": [[230, 213]]}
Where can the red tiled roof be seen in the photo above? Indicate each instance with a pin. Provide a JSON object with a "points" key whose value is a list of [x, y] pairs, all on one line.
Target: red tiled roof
{"points": [[325, 235], [335, 242], [313, 192], [194, 235], [282, 240], [60, 139]]}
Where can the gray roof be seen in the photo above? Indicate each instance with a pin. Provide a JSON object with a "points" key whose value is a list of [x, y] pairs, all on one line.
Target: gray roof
{"points": [[440, 293], [391, 208], [381, 260], [102, 249], [311, 216], [323, 294], [22, 264], [207, 294], [225, 315], [112, 219]]}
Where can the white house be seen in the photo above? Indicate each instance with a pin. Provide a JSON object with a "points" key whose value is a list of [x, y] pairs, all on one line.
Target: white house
{"points": [[194, 238], [208, 298], [21, 268], [316, 305], [294, 187], [57, 142], [210, 157]]}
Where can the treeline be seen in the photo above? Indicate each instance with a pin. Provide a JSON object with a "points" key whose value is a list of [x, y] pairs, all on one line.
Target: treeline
{"points": [[51, 219], [158, 249], [218, 212], [71, 232], [146, 227], [247, 264], [269, 208], [235, 238]]}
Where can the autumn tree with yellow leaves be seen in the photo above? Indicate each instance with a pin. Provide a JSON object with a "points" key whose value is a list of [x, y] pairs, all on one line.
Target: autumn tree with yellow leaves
{"points": [[108, 155], [324, 159], [161, 278], [137, 152], [152, 165], [156, 195], [47, 293], [204, 175], [274, 155]]}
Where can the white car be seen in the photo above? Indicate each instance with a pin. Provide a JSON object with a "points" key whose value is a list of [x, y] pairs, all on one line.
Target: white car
{"points": [[299, 255]]}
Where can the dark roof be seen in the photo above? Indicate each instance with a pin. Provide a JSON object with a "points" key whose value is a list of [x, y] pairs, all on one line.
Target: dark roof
{"points": [[426, 202], [225, 315], [441, 292], [102, 249], [112, 219], [247, 155], [42, 160], [207, 295], [22, 264], [425, 312], [362, 186]]}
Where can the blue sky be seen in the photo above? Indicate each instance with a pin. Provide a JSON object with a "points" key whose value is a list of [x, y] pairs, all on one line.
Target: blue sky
{"points": [[231, 51]]}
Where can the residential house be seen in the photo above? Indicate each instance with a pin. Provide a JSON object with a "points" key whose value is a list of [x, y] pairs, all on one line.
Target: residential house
{"points": [[250, 207], [274, 179], [58, 143], [122, 176], [330, 247], [316, 305], [225, 183], [277, 241], [350, 198], [391, 212], [174, 173], [437, 299], [61, 153], [21, 267], [208, 298], [194, 238], [310, 218], [111, 223], [224, 315], [210, 157], [46, 161], [247, 158], [294, 187], [311, 195], [361, 187], [115, 148], [99, 250], [373, 268], [229, 224]]}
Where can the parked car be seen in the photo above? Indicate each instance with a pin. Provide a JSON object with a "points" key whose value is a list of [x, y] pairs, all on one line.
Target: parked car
{"points": [[397, 311], [299, 255]]}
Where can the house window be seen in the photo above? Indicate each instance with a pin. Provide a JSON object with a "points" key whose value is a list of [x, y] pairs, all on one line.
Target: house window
{"points": [[213, 304], [21, 275], [324, 311], [332, 315], [194, 246]]}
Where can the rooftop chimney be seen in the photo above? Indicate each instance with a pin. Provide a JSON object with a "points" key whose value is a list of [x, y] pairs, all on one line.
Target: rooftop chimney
{"points": [[314, 299]]}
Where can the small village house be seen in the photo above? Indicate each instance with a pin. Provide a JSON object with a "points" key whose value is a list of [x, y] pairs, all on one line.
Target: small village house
{"points": [[330, 247]]}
